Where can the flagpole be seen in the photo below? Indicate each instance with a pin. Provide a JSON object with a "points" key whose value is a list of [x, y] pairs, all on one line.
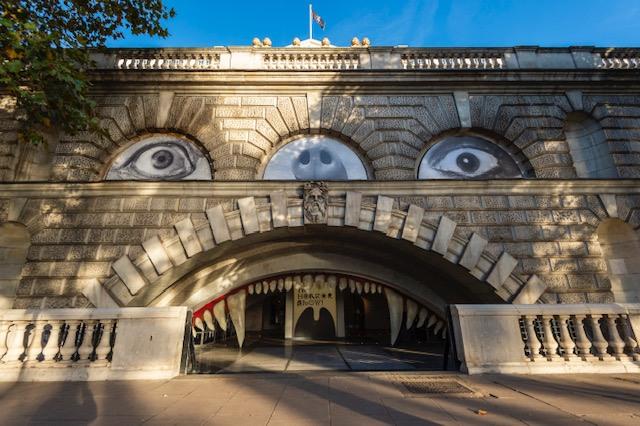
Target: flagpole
{"points": [[310, 22]]}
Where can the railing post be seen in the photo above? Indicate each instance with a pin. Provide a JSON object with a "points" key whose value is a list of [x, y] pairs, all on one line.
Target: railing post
{"points": [[68, 347], [15, 341], [599, 342], [36, 346], [533, 344], [52, 347], [104, 345], [4, 334], [630, 343], [582, 341], [86, 347], [550, 344], [616, 343], [566, 342]]}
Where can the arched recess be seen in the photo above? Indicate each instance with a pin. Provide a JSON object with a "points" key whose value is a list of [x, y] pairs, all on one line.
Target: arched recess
{"points": [[588, 147], [184, 270], [514, 152], [620, 247], [14, 244]]}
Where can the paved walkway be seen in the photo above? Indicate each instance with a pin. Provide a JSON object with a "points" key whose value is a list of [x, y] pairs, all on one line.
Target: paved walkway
{"points": [[335, 398]]}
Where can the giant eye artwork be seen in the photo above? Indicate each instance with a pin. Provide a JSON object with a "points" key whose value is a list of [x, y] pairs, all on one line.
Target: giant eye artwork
{"points": [[160, 158], [467, 157], [315, 158]]}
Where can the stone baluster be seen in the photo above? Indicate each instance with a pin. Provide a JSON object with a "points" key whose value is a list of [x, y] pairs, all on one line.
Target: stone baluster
{"points": [[533, 344], [550, 344], [36, 345], [630, 343], [566, 342], [582, 341], [53, 343], [4, 334], [615, 341], [86, 347], [104, 345], [600, 344], [15, 341], [70, 344]]}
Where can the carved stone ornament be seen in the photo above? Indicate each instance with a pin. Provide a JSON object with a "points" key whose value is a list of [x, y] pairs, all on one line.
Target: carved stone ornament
{"points": [[316, 201]]}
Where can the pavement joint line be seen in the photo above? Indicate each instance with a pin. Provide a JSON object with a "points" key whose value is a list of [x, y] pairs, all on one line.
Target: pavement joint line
{"points": [[545, 402]]}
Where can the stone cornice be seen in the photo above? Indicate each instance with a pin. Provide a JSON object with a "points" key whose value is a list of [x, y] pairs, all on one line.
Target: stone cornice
{"points": [[264, 188]]}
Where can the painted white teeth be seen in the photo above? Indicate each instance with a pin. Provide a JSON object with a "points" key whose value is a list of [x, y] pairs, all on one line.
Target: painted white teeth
{"points": [[332, 280], [342, 283], [395, 303], [422, 317], [199, 323], [297, 282], [412, 310], [432, 320], [258, 288], [379, 289], [352, 285], [359, 287], [437, 327], [288, 283], [219, 314], [307, 281], [280, 284], [366, 287], [208, 319], [273, 284], [250, 289], [237, 304]]}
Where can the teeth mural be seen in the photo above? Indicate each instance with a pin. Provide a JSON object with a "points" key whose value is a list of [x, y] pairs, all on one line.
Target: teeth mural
{"points": [[396, 305], [432, 320], [400, 307], [199, 324], [219, 314], [237, 304], [412, 310], [208, 319], [422, 317]]}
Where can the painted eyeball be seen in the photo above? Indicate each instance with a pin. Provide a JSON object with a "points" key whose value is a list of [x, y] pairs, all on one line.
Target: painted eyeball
{"points": [[317, 162], [467, 157], [160, 160]]}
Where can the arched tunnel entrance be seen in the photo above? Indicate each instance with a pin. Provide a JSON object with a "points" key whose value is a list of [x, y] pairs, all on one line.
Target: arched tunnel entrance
{"points": [[317, 298]]}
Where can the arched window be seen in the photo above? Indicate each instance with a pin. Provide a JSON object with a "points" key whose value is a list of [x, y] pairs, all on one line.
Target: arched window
{"points": [[160, 157], [621, 249], [467, 157], [588, 147], [315, 158]]}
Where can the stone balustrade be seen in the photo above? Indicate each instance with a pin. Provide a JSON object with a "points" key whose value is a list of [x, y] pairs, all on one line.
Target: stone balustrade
{"points": [[539, 339], [364, 58], [91, 344]]}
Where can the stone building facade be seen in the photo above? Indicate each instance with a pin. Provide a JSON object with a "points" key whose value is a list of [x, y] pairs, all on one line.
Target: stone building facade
{"points": [[564, 231]]}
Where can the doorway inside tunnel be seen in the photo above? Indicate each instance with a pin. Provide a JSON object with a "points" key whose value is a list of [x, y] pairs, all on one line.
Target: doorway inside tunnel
{"points": [[317, 320]]}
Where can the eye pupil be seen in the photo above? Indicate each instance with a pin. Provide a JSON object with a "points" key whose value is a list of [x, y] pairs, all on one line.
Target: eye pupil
{"points": [[305, 157], [468, 162], [162, 159], [325, 157]]}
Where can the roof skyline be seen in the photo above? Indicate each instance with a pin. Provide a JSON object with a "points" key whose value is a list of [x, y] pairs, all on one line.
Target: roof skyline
{"points": [[416, 23]]}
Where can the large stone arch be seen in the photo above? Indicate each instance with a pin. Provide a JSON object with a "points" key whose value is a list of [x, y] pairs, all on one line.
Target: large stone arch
{"points": [[165, 263]]}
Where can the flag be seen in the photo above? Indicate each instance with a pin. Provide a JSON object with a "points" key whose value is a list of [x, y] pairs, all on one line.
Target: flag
{"points": [[318, 19]]}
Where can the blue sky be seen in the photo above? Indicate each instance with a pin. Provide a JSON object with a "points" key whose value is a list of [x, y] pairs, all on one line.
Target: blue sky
{"points": [[413, 22]]}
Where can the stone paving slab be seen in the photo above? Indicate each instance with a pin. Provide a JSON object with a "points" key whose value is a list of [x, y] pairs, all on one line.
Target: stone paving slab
{"points": [[326, 398]]}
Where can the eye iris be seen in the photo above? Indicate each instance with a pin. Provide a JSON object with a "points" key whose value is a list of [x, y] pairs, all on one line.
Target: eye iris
{"points": [[325, 157], [467, 162], [162, 159], [305, 157]]}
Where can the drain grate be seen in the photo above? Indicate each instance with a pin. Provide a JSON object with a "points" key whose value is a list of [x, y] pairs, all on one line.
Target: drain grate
{"points": [[434, 385]]}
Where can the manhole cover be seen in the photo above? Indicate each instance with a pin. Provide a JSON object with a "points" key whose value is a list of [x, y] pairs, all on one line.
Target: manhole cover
{"points": [[434, 386]]}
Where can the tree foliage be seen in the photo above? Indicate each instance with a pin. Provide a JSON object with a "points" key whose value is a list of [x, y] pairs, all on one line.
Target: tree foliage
{"points": [[45, 50]]}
